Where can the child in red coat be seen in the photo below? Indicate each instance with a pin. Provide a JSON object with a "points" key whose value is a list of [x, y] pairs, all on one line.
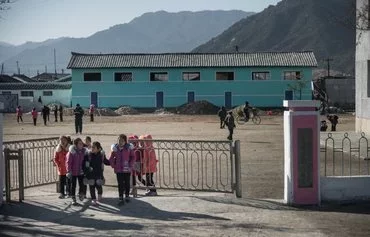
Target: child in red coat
{"points": [[60, 162]]}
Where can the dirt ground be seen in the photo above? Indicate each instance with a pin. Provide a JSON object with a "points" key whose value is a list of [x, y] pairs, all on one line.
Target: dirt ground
{"points": [[262, 148]]}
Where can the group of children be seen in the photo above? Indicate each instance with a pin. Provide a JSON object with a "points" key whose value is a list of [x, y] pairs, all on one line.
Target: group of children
{"points": [[333, 118], [45, 112], [84, 162]]}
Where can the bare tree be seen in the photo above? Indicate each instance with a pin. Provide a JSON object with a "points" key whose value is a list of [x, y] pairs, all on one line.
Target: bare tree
{"points": [[5, 4], [363, 17]]}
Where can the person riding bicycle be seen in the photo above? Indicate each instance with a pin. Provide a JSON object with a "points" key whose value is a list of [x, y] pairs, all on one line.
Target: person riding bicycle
{"points": [[246, 110]]}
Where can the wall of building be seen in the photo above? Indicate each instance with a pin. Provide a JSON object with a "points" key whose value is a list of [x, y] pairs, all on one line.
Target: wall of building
{"points": [[341, 91], [345, 188], [141, 92], [362, 78], [59, 96]]}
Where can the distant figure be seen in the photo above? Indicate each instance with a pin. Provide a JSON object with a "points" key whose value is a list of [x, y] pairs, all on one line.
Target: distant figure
{"points": [[48, 113], [87, 143], [222, 115], [230, 123], [91, 112], [323, 126], [61, 113], [334, 121], [19, 112], [40, 100], [246, 111], [44, 113], [34, 116], [79, 113], [55, 110]]}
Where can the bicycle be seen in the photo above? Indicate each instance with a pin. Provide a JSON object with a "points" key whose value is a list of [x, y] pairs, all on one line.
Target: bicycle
{"points": [[256, 119]]}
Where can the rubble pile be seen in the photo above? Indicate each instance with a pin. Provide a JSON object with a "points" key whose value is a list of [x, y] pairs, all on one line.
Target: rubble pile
{"points": [[126, 110], [162, 112], [198, 107]]}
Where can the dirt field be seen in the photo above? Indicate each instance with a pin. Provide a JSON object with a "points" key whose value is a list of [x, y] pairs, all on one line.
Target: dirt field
{"points": [[261, 145]]}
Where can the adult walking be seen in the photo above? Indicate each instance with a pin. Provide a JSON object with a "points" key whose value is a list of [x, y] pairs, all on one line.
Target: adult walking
{"points": [[55, 110], [230, 123], [44, 113], [61, 113], [79, 113], [222, 115]]}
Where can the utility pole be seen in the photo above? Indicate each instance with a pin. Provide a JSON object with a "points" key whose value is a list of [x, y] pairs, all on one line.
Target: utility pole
{"points": [[328, 60], [2, 68], [46, 69], [18, 69], [55, 64]]}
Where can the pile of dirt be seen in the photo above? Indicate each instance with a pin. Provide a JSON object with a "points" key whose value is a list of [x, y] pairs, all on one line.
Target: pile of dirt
{"points": [[198, 107], [105, 112], [126, 110], [162, 112]]}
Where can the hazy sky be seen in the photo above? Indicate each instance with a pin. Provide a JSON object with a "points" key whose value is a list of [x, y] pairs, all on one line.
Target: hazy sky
{"points": [[38, 20]]}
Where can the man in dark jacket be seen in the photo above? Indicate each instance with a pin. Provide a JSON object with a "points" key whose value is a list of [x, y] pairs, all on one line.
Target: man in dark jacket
{"points": [[44, 113], [55, 110], [222, 115], [230, 123], [61, 113], [79, 113]]}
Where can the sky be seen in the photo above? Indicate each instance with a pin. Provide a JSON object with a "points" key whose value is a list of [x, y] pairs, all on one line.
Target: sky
{"points": [[39, 20]]}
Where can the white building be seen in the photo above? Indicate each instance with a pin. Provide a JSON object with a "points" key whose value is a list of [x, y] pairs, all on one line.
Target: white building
{"points": [[363, 71]]}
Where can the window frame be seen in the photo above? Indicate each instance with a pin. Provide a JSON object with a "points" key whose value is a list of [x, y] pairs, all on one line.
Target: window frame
{"points": [[233, 73], [6, 92], [190, 72], [296, 79], [114, 76], [84, 77], [159, 72], [27, 95], [43, 93], [266, 72]]}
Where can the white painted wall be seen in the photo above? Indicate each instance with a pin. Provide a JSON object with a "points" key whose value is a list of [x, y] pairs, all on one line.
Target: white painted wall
{"points": [[2, 162], [345, 188]]}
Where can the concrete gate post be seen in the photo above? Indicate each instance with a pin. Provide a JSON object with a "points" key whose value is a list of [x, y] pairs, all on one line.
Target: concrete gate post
{"points": [[301, 151], [2, 162]]}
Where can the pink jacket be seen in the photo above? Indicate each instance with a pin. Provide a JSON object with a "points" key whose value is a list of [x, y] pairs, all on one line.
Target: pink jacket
{"points": [[121, 159], [34, 114], [149, 157], [19, 112], [75, 159]]}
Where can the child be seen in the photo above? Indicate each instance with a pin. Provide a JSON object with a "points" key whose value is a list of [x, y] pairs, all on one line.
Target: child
{"points": [[334, 121], [323, 126], [19, 114], [137, 165], [230, 123], [75, 158], [149, 164], [91, 112], [60, 161], [34, 115], [93, 170], [121, 161], [87, 143]]}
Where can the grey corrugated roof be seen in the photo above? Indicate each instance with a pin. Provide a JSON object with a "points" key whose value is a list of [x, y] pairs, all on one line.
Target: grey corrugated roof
{"points": [[8, 79], [35, 86], [182, 60]]}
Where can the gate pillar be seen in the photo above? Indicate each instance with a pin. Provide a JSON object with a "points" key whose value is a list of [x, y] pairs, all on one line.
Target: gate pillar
{"points": [[2, 163], [301, 152]]}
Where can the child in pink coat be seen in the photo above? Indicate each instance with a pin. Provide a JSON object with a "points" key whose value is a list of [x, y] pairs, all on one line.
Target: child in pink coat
{"points": [[34, 115], [149, 166]]}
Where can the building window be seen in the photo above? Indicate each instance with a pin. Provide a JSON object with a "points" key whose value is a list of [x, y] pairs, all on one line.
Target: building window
{"points": [[260, 76], [47, 93], [191, 76], [6, 92], [123, 76], [27, 93], [292, 75], [224, 76], [95, 76], [158, 76]]}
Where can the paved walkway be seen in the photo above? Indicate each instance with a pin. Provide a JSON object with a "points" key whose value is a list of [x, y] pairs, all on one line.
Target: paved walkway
{"points": [[175, 213]]}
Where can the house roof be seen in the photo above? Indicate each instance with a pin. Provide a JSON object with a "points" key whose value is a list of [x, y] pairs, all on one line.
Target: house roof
{"points": [[64, 79], [8, 79], [35, 86], [46, 76], [23, 78], [183, 60]]}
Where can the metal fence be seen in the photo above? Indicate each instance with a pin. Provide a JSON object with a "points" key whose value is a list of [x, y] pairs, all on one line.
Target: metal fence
{"points": [[36, 158], [190, 165], [345, 156]]}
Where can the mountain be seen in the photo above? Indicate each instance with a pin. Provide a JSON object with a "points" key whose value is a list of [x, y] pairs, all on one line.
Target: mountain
{"points": [[296, 25], [150, 33]]}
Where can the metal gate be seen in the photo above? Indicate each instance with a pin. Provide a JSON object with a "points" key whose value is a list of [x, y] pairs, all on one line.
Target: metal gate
{"points": [[29, 164], [182, 165]]}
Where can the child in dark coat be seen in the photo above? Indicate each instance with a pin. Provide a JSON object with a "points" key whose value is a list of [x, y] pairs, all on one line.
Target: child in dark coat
{"points": [[93, 170]]}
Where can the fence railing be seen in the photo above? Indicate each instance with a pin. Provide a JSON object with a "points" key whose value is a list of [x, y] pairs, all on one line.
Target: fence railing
{"points": [[188, 165], [345, 156], [38, 168]]}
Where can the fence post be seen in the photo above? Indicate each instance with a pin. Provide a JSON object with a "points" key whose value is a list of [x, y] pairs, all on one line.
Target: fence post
{"points": [[7, 175], [21, 175], [238, 180]]}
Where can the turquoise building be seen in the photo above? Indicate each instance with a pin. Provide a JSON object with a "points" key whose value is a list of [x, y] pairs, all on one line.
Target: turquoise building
{"points": [[264, 79]]}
